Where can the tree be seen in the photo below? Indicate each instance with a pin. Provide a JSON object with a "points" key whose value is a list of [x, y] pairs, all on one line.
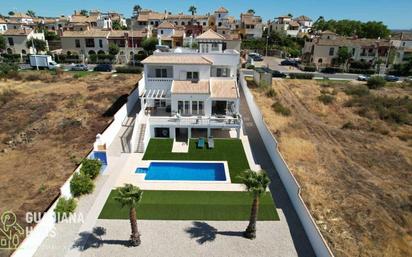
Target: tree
{"points": [[113, 49], [251, 11], [129, 196], [31, 13], [39, 44], [343, 56], [117, 26], [192, 9], [256, 183], [149, 44], [2, 43], [136, 10], [290, 15], [84, 12], [11, 13]]}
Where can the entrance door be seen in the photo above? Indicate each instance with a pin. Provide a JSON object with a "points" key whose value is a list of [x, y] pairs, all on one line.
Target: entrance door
{"points": [[182, 134]]}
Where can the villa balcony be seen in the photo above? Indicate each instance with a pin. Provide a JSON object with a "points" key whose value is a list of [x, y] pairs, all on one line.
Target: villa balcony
{"points": [[216, 121]]}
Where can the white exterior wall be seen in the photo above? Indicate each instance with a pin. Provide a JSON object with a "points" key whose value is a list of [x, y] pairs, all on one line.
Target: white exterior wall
{"points": [[3, 27], [193, 97], [179, 71]]}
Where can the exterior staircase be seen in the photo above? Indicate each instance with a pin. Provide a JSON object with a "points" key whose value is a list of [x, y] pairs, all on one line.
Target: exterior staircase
{"points": [[140, 144]]}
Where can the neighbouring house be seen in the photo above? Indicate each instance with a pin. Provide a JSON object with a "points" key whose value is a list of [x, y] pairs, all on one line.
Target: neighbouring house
{"points": [[129, 43], [402, 42], [286, 25], [3, 25], [251, 26], [323, 50], [16, 40], [168, 34], [19, 21], [86, 42], [187, 93]]}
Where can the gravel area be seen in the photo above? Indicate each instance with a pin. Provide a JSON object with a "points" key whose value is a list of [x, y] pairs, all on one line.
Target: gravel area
{"points": [[189, 238]]}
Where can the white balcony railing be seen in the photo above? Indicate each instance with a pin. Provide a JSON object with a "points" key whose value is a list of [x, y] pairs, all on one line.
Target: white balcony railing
{"points": [[201, 121]]}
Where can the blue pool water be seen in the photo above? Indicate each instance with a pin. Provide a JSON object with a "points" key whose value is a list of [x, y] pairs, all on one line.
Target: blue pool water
{"points": [[184, 171]]}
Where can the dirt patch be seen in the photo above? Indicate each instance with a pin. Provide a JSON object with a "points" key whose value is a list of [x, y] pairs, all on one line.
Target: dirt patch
{"points": [[355, 170], [46, 128]]}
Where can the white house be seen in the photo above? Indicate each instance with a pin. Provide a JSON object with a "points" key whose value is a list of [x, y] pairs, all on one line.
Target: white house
{"points": [[189, 93], [403, 44], [16, 40], [286, 25], [3, 25]]}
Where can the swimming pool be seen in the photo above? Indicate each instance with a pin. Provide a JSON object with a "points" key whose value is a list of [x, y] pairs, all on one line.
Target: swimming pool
{"points": [[196, 171]]}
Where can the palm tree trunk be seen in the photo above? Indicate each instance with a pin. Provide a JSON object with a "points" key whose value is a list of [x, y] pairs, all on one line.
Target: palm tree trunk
{"points": [[135, 236], [251, 228]]}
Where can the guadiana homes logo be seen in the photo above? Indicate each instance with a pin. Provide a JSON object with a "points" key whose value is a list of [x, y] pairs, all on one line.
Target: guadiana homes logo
{"points": [[10, 231]]}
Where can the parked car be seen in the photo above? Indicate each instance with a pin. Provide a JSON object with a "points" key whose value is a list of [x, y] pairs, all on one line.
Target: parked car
{"points": [[275, 73], [289, 62], [103, 67], [408, 79], [80, 67], [391, 78], [256, 58], [363, 77]]}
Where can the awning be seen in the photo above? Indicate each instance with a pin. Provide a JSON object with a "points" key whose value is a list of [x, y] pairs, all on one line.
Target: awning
{"points": [[155, 94]]}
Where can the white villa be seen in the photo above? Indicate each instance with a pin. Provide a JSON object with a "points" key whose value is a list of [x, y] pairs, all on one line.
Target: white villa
{"points": [[188, 93]]}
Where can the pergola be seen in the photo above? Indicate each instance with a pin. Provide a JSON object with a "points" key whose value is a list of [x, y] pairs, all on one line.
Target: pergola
{"points": [[155, 94]]}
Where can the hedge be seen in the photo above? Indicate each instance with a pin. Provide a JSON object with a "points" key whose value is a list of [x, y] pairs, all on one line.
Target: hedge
{"points": [[301, 75], [129, 69], [309, 68], [362, 71]]}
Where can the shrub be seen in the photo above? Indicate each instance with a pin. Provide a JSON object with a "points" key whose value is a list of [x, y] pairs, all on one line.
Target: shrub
{"points": [[375, 82], [81, 184], [358, 90], [69, 122], [309, 68], [301, 75], [348, 125], [326, 99], [129, 69], [64, 207], [270, 92], [250, 66], [360, 71], [6, 95], [8, 70], [279, 108], [332, 70], [91, 167], [360, 65]]}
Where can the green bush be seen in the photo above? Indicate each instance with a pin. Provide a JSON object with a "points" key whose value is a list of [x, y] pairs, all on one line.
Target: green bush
{"points": [[91, 168], [64, 207], [270, 92], [9, 70], [358, 90], [129, 69], [279, 108], [375, 82], [250, 66], [326, 99], [361, 71], [301, 75], [309, 68], [81, 184]]}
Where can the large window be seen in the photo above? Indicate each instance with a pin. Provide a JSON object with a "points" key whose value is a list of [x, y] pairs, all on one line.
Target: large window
{"points": [[192, 75], [215, 47], [89, 42], [197, 108], [161, 73], [183, 107], [222, 72], [11, 41], [100, 43], [77, 43], [331, 51]]}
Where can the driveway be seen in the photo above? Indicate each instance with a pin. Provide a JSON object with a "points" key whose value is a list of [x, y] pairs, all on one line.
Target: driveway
{"points": [[300, 240]]}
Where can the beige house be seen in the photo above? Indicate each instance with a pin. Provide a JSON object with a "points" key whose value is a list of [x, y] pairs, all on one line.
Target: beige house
{"points": [[322, 50], [16, 40], [251, 26], [402, 42], [87, 42]]}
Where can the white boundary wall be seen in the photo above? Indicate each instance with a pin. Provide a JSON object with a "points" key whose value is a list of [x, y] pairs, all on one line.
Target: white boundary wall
{"points": [[42, 229], [316, 239]]}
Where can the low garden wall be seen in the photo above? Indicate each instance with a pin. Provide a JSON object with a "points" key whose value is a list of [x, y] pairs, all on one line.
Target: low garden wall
{"points": [[315, 237]]}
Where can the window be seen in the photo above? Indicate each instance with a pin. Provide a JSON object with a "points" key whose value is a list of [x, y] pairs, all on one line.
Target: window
{"points": [[161, 31], [89, 42], [204, 23], [219, 24], [77, 43], [161, 73], [194, 107], [192, 75], [331, 51], [197, 107], [215, 47], [100, 43], [160, 103], [180, 106], [11, 41], [201, 109], [187, 107], [404, 43], [222, 72], [183, 23]]}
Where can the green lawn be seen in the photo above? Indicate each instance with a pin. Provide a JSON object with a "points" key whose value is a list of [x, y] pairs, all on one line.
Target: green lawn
{"points": [[192, 205], [230, 150]]}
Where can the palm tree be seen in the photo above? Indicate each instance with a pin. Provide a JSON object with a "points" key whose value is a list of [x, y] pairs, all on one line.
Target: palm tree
{"points": [[130, 196], [192, 9], [256, 183], [11, 13], [31, 13], [251, 11], [136, 9]]}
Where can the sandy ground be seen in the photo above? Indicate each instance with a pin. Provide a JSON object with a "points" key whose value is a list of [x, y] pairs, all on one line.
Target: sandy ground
{"points": [[46, 128], [356, 182]]}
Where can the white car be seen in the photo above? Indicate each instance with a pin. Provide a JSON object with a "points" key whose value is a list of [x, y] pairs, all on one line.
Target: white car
{"points": [[363, 77]]}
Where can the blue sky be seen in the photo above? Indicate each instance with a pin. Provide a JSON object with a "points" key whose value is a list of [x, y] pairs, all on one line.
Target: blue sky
{"points": [[393, 13]]}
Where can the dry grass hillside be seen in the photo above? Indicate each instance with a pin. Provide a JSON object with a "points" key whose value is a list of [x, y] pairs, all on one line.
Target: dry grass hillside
{"points": [[352, 154], [48, 123]]}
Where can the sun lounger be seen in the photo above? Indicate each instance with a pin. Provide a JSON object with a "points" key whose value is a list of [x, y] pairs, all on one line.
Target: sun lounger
{"points": [[210, 142], [201, 143]]}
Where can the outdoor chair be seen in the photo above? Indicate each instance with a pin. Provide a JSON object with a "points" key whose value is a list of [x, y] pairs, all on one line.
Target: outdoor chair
{"points": [[201, 142], [210, 143]]}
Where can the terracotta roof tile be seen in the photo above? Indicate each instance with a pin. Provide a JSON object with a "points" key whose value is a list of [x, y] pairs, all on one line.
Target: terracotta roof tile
{"points": [[176, 59], [190, 87], [86, 33], [210, 34], [166, 25], [223, 88], [17, 32]]}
